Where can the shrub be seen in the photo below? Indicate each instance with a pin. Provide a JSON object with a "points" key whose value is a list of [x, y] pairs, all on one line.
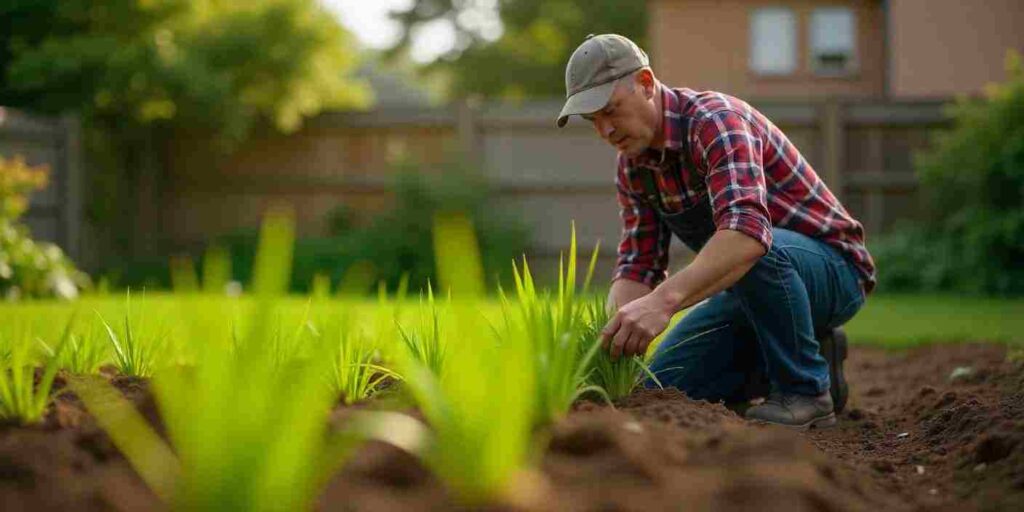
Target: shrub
{"points": [[973, 183], [398, 243], [27, 267]]}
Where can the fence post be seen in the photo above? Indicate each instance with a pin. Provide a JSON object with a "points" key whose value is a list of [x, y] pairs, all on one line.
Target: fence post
{"points": [[467, 131], [71, 189], [833, 145]]}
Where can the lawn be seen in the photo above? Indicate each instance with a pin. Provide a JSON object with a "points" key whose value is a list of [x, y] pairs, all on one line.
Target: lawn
{"points": [[907, 320]]}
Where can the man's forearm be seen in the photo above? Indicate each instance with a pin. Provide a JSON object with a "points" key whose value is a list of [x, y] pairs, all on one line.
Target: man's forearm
{"points": [[624, 291], [725, 259]]}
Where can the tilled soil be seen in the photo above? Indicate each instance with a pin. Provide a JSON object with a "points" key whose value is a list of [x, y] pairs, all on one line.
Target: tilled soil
{"points": [[912, 438]]}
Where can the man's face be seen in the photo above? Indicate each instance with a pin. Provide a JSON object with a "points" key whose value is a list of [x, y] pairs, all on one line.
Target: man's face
{"points": [[629, 120]]}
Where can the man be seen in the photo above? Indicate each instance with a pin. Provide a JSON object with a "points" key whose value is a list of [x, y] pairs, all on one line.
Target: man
{"points": [[779, 260]]}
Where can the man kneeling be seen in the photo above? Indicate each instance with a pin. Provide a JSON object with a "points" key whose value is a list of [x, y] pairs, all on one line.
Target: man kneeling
{"points": [[780, 263]]}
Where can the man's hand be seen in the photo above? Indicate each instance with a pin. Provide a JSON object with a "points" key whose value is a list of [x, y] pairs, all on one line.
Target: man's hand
{"points": [[633, 327]]}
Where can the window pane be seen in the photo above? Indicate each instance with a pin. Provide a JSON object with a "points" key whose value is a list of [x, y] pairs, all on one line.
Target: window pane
{"points": [[773, 40], [833, 40]]}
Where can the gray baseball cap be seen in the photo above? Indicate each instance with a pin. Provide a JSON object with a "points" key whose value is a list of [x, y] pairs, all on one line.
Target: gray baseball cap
{"points": [[593, 69]]}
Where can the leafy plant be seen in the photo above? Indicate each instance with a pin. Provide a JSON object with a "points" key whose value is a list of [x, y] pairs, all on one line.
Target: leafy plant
{"points": [[83, 353], [481, 411], [21, 398], [28, 267], [354, 371], [425, 343], [619, 377], [556, 332], [248, 433], [972, 178], [134, 355]]}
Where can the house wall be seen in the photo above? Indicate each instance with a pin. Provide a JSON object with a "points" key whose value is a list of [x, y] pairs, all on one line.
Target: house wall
{"points": [[940, 48], [704, 44]]}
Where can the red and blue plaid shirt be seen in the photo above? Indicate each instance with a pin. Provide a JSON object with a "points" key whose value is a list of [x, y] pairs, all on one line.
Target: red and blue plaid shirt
{"points": [[756, 178]]}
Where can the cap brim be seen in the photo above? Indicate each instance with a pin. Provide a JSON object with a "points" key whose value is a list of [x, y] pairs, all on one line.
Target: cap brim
{"points": [[586, 102]]}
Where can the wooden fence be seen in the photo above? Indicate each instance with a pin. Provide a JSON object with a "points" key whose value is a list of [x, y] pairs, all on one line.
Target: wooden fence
{"points": [[549, 176]]}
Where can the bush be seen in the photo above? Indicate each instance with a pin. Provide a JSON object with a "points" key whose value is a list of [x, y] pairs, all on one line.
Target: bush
{"points": [[398, 243], [27, 267], [973, 183]]}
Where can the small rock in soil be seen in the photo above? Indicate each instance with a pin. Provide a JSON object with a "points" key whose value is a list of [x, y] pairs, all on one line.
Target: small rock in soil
{"points": [[960, 373]]}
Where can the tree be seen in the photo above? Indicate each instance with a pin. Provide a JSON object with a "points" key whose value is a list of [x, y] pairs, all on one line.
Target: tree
{"points": [[136, 68], [215, 63], [528, 59]]}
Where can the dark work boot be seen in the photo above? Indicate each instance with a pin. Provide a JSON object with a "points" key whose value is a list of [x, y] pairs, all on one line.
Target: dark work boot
{"points": [[833, 348], [795, 411]]}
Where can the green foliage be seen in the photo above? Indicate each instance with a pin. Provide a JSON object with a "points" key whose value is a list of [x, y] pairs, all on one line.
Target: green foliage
{"points": [[619, 377], [137, 70], [248, 433], [425, 343], [21, 398], [83, 352], [136, 351], [27, 267], [481, 410], [355, 370], [556, 331], [398, 245], [973, 180], [538, 36], [187, 61]]}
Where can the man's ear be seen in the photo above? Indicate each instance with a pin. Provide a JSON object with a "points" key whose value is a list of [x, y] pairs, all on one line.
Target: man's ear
{"points": [[645, 79]]}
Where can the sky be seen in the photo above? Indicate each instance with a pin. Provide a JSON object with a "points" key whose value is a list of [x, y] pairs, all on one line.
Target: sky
{"points": [[368, 20]]}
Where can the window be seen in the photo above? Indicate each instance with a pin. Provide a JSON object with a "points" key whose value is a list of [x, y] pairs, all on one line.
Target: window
{"points": [[833, 41], [773, 41]]}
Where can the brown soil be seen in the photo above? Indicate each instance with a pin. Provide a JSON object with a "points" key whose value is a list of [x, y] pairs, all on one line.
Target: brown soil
{"points": [[911, 439]]}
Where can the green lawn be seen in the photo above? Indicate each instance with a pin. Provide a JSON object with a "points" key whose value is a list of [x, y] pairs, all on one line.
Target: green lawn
{"points": [[903, 320]]}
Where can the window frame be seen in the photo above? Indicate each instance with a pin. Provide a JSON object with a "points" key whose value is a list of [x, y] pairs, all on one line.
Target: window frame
{"points": [[794, 19], [852, 66]]}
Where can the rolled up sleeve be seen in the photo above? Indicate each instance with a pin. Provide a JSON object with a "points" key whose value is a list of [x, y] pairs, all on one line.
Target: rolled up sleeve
{"points": [[643, 248], [730, 150]]}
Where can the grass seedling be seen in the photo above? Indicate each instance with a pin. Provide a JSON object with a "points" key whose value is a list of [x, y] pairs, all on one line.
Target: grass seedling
{"points": [[82, 355], [21, 398], [617, 378], [481, 411], [354, 371], [425, 344], [247, 434], [133, 355], [556, 332]]}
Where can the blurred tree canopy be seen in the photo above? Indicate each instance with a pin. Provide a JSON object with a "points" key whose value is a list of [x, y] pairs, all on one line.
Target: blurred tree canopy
{"points": [[528, 59], [133, 69], [218, 64]]}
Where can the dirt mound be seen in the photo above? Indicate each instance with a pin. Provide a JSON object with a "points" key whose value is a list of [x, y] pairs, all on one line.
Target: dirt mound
{"points": [[936, 428], [940, 426], [619, 460]]}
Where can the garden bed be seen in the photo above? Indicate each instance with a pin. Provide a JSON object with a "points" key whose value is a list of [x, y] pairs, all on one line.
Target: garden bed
{"points": [[911, 438]]}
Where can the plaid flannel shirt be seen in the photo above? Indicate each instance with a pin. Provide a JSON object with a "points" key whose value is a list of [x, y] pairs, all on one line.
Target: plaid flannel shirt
{"points": [[755, 176]]}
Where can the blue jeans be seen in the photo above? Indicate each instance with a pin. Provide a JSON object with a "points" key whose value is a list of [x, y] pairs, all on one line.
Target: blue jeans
{"points": [[764, 324]]}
